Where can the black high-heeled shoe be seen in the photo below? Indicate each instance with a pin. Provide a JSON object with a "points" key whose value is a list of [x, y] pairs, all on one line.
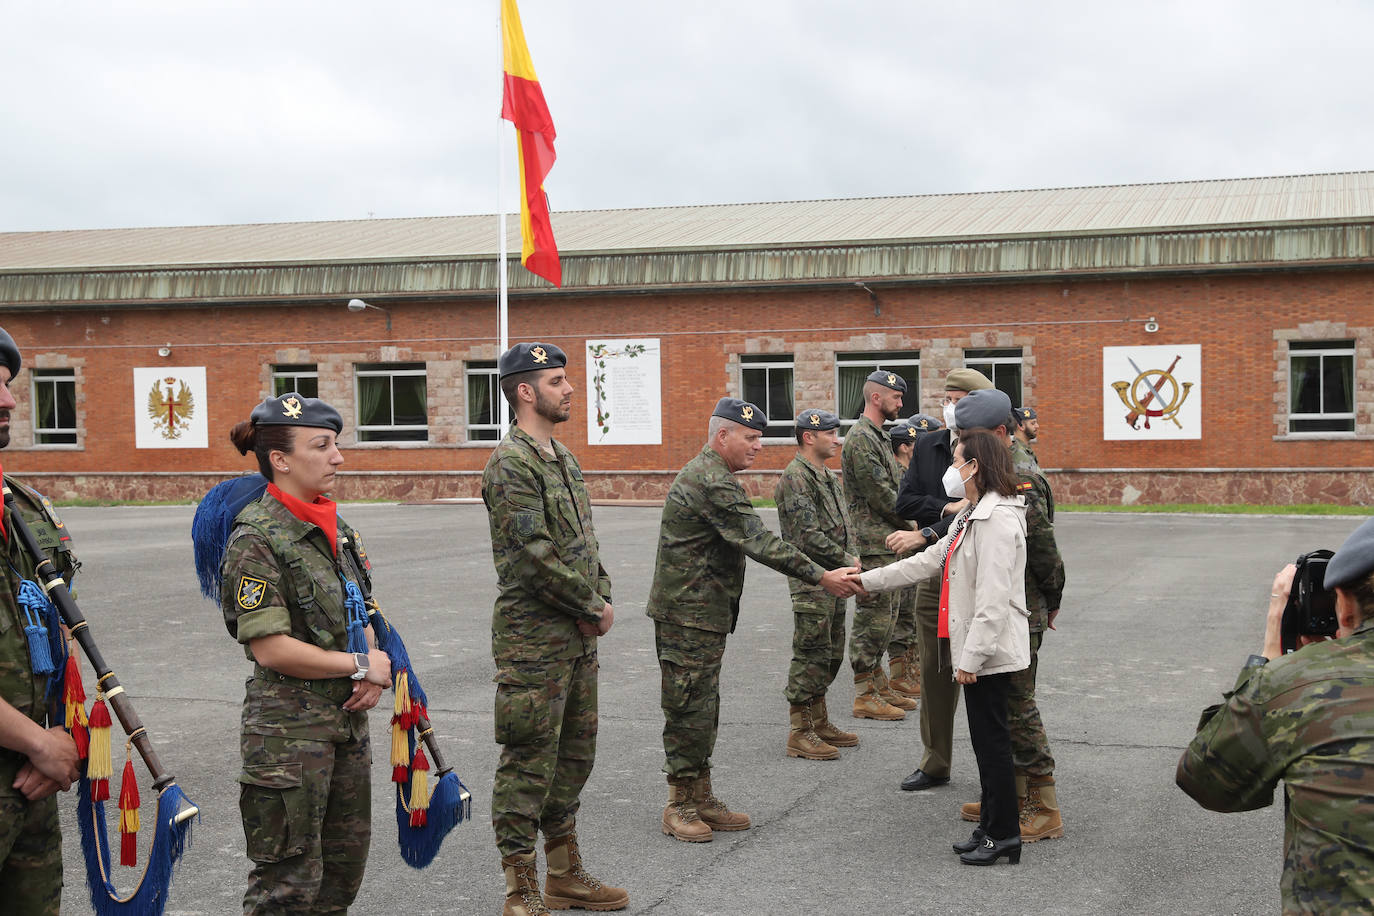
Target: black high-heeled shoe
{"points": [[991, 850], [972, 842]]}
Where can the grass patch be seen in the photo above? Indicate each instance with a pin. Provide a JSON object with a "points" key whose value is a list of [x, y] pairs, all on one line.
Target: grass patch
{"points": [[763, 503], [1225, 509]]}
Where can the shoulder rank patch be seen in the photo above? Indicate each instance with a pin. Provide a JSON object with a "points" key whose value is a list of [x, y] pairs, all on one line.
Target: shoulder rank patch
{"points": [[1023, 486], [251, 591]]}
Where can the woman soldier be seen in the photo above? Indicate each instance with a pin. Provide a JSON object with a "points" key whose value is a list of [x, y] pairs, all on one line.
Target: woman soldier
{"points": [[290, 596]]}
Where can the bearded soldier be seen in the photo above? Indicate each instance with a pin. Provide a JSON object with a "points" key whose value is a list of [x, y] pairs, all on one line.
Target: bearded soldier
{"points": [[555, 601]]}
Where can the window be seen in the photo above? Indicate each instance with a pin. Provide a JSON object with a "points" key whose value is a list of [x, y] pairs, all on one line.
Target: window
{"points": [[1321, 386], [852, 370], [54, 407], [484, 402], [304, 380], [767, 382], [1003, 367], [391, 403]]}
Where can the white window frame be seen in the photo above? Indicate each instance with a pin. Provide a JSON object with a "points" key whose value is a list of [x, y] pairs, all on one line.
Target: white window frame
{"points": [[294, 372], [473, 369], [1345, 348], [882, 359], [53, 376], [388, 371], [769, 362], [1019, 361]]}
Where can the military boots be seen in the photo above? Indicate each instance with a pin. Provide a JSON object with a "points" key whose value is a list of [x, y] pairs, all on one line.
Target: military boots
{"points": [[893, 698], [802, 740], [569, 885], [680, 818], [868, 704], [906, 673], [826, 730], [714, 811], [1040, 818], [522, 887], [973, 811]]}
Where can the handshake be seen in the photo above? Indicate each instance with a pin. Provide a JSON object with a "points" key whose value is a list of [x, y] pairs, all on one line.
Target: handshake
{"points": [[843, 582]]}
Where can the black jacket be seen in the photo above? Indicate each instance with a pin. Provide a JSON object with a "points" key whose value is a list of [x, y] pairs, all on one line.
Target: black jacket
{"points": [[921, 496]]}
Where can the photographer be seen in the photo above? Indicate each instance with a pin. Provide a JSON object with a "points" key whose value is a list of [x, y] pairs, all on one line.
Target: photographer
{"points": [[1306, 718]]}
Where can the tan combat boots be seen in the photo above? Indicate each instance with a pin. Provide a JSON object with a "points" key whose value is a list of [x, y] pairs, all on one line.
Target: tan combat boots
{"points": [[680, 818], [802, 739], [826, 730], [522, 887], [714, 811], [569, 885], [868, 704]]}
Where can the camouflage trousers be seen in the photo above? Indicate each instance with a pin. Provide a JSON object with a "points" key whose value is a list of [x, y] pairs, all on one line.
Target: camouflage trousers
{"points": [[546, 723], [874, 618], [689, 660], [30, 854], [1030, 747], [307, 818], [904, 624], [817, 645]]}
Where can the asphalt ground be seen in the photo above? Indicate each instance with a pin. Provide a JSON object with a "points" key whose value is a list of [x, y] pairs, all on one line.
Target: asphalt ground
{"points": [[1159, 614]]}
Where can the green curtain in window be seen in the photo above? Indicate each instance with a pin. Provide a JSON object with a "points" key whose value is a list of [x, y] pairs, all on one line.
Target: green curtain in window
{"points": [[852, 391], [371, 389]]}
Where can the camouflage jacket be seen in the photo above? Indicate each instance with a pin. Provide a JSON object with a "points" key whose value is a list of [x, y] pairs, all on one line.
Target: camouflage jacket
{"points": [[813, 517], [1044, 565], [18, 684], [871, 478], [708, 528], [1308, 719], [548, 562]]}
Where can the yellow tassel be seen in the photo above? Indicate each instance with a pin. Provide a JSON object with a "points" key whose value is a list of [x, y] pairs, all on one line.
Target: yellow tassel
{"points": [[419, 789], [400, 728]]}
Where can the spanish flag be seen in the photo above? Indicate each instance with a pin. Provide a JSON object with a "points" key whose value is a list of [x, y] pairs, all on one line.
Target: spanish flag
{"points": [[522, 103]]}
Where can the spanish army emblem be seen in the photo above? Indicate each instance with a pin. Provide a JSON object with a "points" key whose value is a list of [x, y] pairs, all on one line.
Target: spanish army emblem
{"points": [[291, 407], [540, 355], [746, 412], [911, 431], [891, 379], [815, 419], [251, 591], [170, 412]]}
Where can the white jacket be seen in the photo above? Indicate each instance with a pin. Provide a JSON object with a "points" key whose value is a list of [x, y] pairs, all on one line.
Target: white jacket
{"points": [[989, 631]]}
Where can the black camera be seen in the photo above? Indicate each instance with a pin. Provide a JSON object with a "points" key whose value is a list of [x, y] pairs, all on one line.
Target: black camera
{"points": [[1311, 608]]}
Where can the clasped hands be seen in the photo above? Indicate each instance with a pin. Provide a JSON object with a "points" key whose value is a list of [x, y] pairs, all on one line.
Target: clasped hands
{"points": [[587, 628]]}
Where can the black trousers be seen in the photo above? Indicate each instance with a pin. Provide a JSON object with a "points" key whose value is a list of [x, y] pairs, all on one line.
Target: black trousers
{"points": [[985, 702]]}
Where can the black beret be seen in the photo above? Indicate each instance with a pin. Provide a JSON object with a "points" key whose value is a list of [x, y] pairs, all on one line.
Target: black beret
{"points": [[9, 353], [1354, 560], [986, 408], [888, 379], [742, 412], [924, 422], [817, 420], [1025, 413], [526, 357], [292, 409], [902, 431]]}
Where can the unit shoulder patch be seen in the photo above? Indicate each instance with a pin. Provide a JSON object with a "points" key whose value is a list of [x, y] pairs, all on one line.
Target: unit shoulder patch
{"points": [[251, 591]]}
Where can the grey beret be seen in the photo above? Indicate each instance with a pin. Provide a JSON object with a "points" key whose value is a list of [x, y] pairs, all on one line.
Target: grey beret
{"points": [[902, 431], [742, 412], [888, 379], [817, 420], [526, 357], [292, 409], [1354, 560], [924, 422], [986, 408], [9, 353], [966, 380], [1023, 414]]}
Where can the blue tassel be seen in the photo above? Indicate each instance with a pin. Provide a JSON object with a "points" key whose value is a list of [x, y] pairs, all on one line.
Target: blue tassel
{"points": [[36, 611], [357, 616], [214, 522], [170, 841]]}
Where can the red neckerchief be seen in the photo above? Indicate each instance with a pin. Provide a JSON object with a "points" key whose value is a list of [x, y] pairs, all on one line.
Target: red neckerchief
{"points": [[942, 627], [322, 513]]}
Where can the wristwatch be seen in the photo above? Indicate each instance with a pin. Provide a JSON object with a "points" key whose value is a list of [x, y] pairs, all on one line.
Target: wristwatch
{"points": [[929, 533], [360, 660]]}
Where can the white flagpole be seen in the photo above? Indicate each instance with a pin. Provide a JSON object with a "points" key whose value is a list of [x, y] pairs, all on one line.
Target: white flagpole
{"points": [[503, 319]]}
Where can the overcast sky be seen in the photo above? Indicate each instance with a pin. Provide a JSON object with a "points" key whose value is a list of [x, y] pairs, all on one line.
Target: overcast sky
{"points": [[167, 112]]}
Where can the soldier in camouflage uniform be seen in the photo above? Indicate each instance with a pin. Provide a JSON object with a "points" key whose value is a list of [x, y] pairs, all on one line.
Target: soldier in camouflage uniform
{"points": [[813, 518], [1306, 718], [305, 791], [35, 762], [1027, 428], [903, 656], [555, 600], [871, 477], [708, 527]]}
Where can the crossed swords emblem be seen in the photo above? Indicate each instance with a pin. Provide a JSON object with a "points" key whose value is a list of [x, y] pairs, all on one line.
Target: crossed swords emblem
{"points": [[1139, 404]]}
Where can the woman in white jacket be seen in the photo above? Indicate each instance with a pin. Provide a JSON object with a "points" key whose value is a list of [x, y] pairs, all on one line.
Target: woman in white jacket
{"points": [[984, 631]]}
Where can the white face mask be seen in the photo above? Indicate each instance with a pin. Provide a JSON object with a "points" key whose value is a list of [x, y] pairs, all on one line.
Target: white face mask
{"points": [[949, 416], [954, 481]]}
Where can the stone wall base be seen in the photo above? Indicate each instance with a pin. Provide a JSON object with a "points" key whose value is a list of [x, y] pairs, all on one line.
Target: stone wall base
{"points": [[1114, 487]]}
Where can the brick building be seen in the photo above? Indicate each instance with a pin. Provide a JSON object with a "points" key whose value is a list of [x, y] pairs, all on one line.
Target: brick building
{"points": [[1257, 293]]}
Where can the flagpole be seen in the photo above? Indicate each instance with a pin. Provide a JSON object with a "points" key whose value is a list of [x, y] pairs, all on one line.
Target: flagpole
{"points": [[503, 296]]}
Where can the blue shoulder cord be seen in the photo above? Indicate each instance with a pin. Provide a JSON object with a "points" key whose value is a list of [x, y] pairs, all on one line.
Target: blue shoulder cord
{"points": [[43, 628], [357, 616]]}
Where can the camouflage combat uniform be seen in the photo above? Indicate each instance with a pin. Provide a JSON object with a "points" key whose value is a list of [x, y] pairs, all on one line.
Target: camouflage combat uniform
{"points": [[1030, 747], [305, 792], [30, 838], [549, 572], [813, 517], [871, 477], [708, 528], [1308, 719]]}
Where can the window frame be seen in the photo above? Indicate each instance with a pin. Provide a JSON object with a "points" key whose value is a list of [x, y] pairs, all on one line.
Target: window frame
{"points": [[389, 371], [1322, 349], [472, 369], [881, 359], [778, 427], [53, 375], [295, 371], [1019, 361]]}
